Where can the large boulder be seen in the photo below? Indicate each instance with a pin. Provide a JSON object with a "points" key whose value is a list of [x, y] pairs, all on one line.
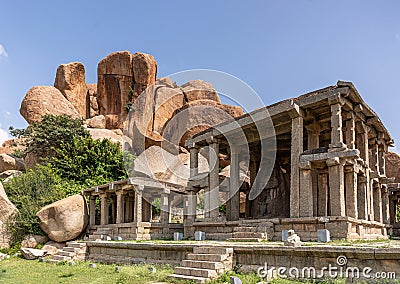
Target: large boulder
{"points": [[98, 121], [393, 166], [144, 72], [200, 90], [115, 80], [115, 136], [65, 219], [70, 80], [160, 164], [32, 241], [10, 163], [42, 100], [6, 210], [12, 145]]}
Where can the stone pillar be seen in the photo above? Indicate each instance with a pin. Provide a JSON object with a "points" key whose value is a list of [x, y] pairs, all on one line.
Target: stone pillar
{"points": [[336, 187], [138, 203], [165, 208], [323, 191], [385, 205], [146, 210], [336, 124], [190, 213], [213, 191], [374, 159], [296, 150], [120, 207], [351, 191], [370, 196], [382, 160], [113, 210], [377, 202], [362, 203], [234, 184], [313, 143], [351, 132], [392, 210], [104, 209], [362, 142], [92, 210], [194, 161], [306, 190], [128, 208]]}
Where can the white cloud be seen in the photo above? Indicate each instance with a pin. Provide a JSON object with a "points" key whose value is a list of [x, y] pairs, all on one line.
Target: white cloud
{"points": [[4, 136], [3, 51]]}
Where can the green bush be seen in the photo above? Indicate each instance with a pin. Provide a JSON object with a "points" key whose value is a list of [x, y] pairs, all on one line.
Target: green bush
{"points": [[89, 161]]}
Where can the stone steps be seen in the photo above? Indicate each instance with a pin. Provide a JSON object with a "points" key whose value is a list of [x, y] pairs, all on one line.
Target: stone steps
{"points": [[73, 250], [204, 263], [193, 279], [250, 233]]}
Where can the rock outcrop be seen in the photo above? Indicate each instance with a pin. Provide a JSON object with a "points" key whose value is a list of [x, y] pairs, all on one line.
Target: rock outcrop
{"points": [[166, 112], [70, 80], [6, 210], [92, 104], [8, 163], [65, 219], [115, 80], [42, 100], [393, 166], [144, 72], [115, 136]]}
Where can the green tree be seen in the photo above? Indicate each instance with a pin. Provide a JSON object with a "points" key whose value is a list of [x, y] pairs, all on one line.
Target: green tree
{"points": [[43, 138], [89, 161]]}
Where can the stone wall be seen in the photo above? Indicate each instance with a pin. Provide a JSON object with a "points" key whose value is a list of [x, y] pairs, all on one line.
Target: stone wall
{"points": [[251, 257]]}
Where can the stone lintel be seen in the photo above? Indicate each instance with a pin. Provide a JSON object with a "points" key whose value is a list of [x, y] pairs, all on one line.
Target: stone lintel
{"points": [[305, 165], [337, 99], [347, 154]]}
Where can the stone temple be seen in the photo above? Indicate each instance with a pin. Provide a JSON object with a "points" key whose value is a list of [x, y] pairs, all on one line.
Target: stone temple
{"points": [[309, 163]]}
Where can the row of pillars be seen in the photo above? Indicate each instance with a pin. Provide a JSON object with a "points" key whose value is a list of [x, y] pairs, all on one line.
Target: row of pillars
{"points": [[130, 206], [211, 192], [349, 194]]}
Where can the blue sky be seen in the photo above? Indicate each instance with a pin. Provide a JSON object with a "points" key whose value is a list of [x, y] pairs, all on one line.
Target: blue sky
{"points": [[280, 48]]}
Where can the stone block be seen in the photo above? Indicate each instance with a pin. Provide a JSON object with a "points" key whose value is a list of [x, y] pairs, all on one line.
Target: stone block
{"points": [[200, 236], [324, 236], [285, 235], [235, 280], [178, 236]]}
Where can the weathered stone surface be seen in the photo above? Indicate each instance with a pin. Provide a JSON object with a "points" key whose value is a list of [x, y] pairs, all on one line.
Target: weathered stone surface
{"points": [[92, 104], [65, 219], [96, 122], [6, 210], [144, 72], [12, 145], [293, 240], [52, 247], [166, 81], [115, 80], [98, 134], [160, 164], [200, 90], [70, 80], [31, 241], [10, 163], [393, 166], [42, 100], [31, 254], [10, 173]]}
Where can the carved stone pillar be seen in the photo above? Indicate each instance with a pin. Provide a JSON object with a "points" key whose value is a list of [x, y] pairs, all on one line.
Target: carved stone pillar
{"points": [[351, 191], [92, 210], [336, 187], [306, 190], [351, 132], [234, 184], [377, 202], [194, 161], [146, 209], [120, 207], [362, 142], [213, 196], [165, 210], [385, 205], [336, 124], [138, 203], [323, 191], [362, 197], [128, 207], [103, 209], [374, 159], [381, 159], [296, 150]]}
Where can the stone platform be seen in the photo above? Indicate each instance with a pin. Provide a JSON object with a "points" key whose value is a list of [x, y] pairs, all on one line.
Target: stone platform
{"points": [[380, 257]]}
